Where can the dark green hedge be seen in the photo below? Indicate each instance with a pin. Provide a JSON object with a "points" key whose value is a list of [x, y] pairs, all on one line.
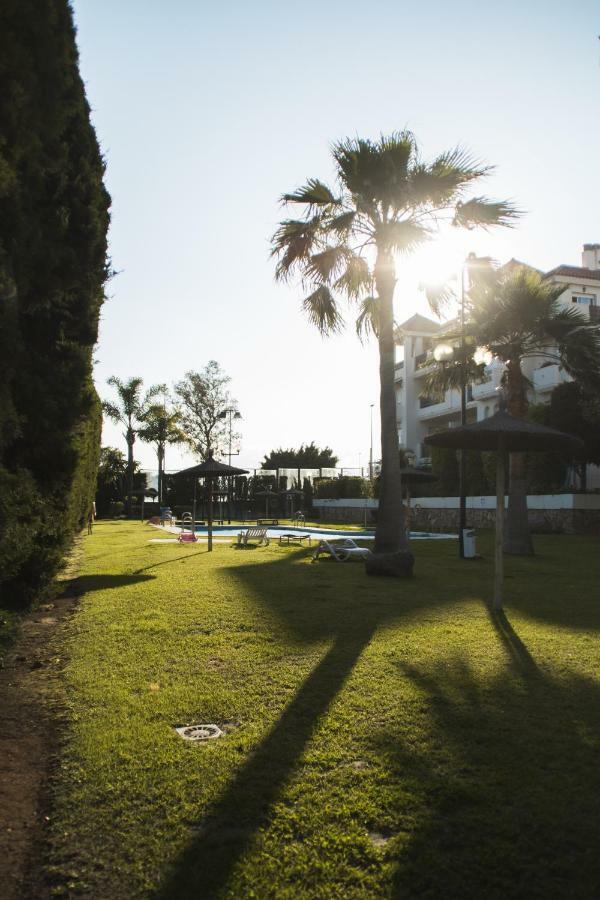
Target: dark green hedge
{"points": [[53, 225]]}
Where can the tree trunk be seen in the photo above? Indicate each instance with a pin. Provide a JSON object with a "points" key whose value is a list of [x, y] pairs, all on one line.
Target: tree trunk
{"points": [[390, 535], [161, 460], [130, 438], [518, 536]]}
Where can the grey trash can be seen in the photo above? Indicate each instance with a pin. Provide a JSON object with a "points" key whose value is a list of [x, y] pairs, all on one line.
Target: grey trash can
{"points": [[469, 543]]}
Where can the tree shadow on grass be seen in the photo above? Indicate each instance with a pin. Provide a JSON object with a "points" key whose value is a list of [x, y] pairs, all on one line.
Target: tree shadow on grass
{"points": [[85, 584], [508, 784], [312, 603]]}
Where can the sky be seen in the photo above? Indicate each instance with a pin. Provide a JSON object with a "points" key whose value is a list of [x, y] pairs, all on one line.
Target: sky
{"points": [[207, 112]]}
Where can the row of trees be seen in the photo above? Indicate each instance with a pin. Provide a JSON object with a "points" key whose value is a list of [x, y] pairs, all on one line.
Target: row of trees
{"points": [[307, 456], [199, 413], [53, 265]]}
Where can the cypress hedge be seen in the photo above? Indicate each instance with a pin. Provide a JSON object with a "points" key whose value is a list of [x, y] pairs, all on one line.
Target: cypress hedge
{"points": [[53, 266]]}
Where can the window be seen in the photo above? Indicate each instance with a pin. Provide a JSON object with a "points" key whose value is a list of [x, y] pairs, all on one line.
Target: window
{"points": [[584, 299]]}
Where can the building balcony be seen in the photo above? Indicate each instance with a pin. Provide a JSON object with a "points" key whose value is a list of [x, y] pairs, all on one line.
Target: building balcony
{"points": [[548, 377], [488, 388]]}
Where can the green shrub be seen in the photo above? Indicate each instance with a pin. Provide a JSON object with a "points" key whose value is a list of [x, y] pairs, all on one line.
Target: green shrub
{"points": [[53, 224]]}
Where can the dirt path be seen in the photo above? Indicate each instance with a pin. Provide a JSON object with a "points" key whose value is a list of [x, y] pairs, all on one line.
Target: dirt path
{"points": [[30, 712]]}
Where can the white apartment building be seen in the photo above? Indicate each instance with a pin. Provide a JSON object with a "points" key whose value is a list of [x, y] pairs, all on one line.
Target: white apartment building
{"points": [[418, 416]]}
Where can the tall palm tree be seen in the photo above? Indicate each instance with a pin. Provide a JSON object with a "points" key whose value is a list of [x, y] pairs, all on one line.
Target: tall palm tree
{"points": [[516, 315], [160, 426], [386, 203], [129, 412]]}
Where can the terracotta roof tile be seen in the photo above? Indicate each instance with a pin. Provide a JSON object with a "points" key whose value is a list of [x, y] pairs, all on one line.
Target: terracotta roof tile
{"points": [[575, 272]]}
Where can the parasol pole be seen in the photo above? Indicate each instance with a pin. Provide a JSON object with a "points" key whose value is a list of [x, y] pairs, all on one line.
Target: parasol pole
{"points": [[499, 542], [210, 513]]}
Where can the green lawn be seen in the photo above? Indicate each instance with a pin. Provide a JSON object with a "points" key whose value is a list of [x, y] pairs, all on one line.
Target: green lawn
{"points": [[384, 738]]}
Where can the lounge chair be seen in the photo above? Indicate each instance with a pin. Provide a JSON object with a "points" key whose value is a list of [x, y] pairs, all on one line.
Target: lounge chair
{"points": [[342, 550], [252, 536]]}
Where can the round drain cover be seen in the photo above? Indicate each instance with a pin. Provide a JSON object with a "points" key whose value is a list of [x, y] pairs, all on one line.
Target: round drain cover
{"points": [[199, 732]]}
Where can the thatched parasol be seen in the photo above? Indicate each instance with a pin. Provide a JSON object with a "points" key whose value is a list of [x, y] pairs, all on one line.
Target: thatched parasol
{"points": [[267, 494], [144, 492], [210, 469], [504, 434]]}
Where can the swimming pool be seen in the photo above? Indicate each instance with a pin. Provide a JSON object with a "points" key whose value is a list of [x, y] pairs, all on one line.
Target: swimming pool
{"points": [[273, 531]]}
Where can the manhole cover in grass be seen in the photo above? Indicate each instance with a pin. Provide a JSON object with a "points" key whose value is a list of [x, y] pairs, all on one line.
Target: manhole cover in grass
{"points": [[199, 732]]}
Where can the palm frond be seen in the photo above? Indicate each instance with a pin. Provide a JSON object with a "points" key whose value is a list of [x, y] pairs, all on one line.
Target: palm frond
{"points": [[438, 296], [293, 242], [313, 193], [376, 171], [367, 322], [356, 279], [484, 213], [402, 236], [112, 411], [443, 181], [342, 224], [327, 264], [447, 376], [322, 310]]}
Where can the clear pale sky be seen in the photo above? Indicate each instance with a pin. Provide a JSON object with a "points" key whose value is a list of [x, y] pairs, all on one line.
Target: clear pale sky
{"points": [[207, 112]]}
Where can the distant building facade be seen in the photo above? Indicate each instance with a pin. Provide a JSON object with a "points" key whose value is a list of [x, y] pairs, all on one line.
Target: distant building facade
{"points": [[417, 415]]}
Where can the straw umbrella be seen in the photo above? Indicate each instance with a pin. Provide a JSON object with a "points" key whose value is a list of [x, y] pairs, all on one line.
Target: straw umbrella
{"points": [[267, 494], [144, 492], [505, 434], [209, 470]]}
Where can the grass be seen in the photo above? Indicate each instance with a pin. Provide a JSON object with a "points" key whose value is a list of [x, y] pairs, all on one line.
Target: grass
{"points": [[383, 738]]}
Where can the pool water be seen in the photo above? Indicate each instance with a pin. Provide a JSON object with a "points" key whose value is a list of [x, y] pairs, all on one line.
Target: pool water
{"points": [[273, 531]]}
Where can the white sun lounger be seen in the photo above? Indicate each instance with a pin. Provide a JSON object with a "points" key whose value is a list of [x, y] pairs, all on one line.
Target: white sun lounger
{"points": [[251, 536], [341, 551]]}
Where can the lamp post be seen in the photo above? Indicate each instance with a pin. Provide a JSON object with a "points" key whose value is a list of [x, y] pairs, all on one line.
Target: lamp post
{"points": [[371, 448], [443, 353], [233, 414]]}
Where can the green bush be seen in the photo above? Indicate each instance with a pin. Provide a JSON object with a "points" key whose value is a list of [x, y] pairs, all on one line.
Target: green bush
{"points": [[346, 487], [53, 224]]}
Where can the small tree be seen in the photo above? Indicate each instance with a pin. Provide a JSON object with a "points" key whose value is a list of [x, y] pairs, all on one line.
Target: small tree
{"points": [[573, 410], [129, 411], [160, 426], [202, 404]]}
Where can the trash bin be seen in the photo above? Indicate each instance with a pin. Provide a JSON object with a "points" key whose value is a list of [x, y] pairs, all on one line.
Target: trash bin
{"points": [[469, 543]]}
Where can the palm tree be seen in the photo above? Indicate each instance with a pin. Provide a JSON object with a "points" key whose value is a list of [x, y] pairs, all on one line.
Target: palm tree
{"points": [[160, 426], [387, 202], [515, 314], [129, 412]]}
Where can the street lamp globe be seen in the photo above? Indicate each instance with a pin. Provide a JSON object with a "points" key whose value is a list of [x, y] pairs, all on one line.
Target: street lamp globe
{"points": [[443, 353], [482, 356]]}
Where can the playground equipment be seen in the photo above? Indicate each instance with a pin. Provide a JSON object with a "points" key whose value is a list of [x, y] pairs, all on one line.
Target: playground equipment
{"points": [[187, 535]]}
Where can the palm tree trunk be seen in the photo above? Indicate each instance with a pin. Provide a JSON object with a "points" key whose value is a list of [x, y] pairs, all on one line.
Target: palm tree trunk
{"points": [[518, 536], [390, 534], [130, 437], [161, 459]]}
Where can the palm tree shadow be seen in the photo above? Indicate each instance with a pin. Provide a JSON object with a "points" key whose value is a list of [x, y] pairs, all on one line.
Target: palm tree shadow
{"points": [[301, 599], [244, 808], [507, 791]]}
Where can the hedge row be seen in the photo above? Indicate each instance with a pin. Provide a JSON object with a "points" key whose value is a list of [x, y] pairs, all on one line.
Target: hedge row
{"points": [[53, 226]]}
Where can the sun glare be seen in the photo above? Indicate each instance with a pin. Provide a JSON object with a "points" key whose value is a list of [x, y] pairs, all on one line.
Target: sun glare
{"points": [[435, 263]]}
